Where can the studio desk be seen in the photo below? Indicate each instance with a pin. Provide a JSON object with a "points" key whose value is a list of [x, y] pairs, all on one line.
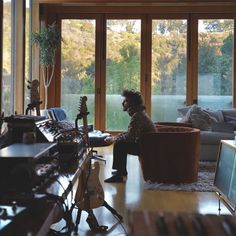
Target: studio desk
{"points": [[33, 211]]}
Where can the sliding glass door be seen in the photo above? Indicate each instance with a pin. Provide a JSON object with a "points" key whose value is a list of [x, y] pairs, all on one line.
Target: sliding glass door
{"points": [[122, 67], [28, 64], [215, 62], [78, 65], [174, 61], [7, 62], [169, 71]]}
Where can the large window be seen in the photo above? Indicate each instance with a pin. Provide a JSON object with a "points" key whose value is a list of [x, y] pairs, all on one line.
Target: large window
{"points": [[122, 67], [173, 70], [27, 64], [78, 65], [7, 83], [215, 63], [169, 53]]}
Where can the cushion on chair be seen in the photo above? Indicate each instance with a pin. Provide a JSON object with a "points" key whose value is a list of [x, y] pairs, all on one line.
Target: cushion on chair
{"points": [[171, 129], [182, 124]]}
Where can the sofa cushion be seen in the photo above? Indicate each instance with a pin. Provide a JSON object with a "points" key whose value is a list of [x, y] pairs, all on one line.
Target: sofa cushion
{"points": [[222, 127], [213, 138], [183, 110], [217, 114], [199, 118], [230, 116], [229, 112]]}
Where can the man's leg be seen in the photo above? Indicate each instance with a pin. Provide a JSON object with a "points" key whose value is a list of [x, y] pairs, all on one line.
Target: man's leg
{"points": [[120, 152]]}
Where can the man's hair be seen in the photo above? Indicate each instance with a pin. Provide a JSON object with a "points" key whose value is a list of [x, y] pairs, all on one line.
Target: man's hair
{"points": [[134, 97]]}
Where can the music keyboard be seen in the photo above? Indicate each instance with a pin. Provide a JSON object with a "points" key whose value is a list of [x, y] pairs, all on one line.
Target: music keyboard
{"points": [[144, 223]]}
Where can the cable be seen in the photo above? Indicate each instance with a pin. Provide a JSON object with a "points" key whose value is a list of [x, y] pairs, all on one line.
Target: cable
{"points": [[120, 223], [63, 190], [122, 226], [71, 200], [67, 211]]}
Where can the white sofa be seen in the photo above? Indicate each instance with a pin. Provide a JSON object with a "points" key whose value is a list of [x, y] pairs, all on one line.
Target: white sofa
{"points": [[214, 125]]}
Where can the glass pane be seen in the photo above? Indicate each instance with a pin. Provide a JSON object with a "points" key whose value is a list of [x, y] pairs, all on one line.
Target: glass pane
{"points": [[122, 68], [27, 52], [169, 43], [215, 58], [78, 66], [6, 76]]}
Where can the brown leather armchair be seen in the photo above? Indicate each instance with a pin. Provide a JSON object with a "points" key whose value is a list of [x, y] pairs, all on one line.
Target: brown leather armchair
{"points": [[170, 155]]}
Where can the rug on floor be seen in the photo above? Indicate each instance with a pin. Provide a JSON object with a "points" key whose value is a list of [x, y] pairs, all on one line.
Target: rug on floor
{"points": [[206, 175]]}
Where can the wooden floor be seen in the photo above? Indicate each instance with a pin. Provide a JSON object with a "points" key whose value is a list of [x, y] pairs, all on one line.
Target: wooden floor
{"points": [[125, 197]]}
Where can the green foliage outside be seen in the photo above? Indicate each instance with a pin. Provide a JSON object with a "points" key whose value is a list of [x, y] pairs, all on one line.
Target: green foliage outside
{"points": [[169, 51], [123, 61], [6, 72]]}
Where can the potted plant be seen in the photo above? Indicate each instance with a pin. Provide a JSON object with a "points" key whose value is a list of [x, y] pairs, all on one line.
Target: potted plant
{"points": [[48, 40]]}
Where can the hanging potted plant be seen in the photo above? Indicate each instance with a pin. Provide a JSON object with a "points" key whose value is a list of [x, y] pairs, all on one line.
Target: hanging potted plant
{"points": [[48, 40]]}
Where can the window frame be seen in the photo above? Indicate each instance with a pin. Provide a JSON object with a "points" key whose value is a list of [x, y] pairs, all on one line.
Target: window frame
{"points": [[17, 55], [195, 18], [1, 51]]}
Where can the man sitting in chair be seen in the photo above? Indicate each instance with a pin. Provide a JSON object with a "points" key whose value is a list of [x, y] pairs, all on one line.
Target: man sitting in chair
{"points": [[128, 141]]}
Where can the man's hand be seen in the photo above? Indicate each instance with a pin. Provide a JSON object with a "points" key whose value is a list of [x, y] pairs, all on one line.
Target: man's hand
{"points": [[109, 139]]}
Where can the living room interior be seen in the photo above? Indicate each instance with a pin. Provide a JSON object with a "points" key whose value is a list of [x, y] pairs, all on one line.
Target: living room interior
{"points": [[179, 55]]}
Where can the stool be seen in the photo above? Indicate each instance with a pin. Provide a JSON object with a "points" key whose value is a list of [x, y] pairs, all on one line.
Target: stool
{"points": [[96, 139]]}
